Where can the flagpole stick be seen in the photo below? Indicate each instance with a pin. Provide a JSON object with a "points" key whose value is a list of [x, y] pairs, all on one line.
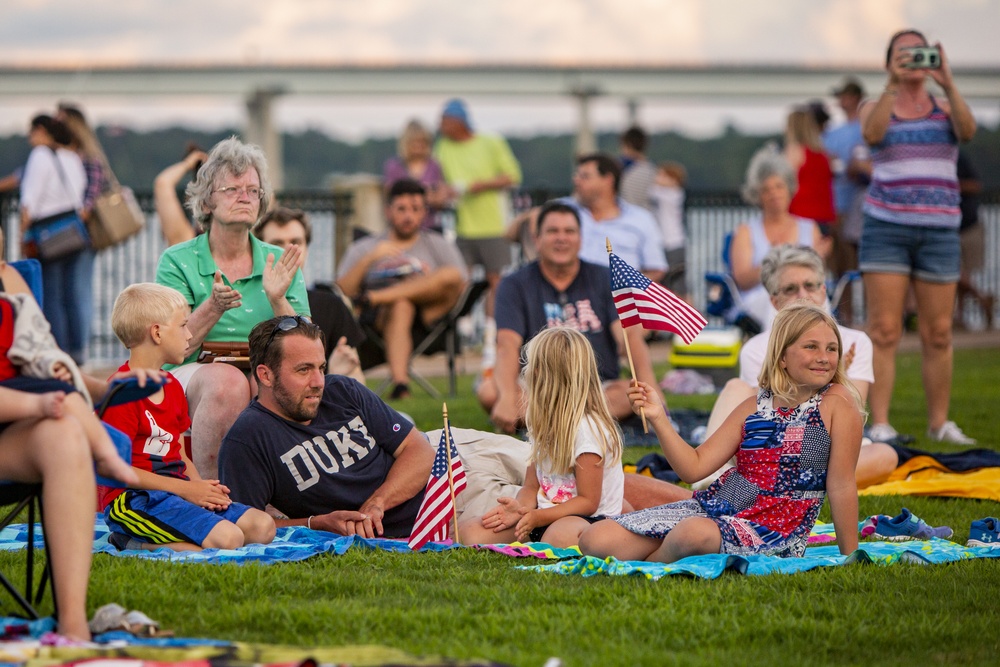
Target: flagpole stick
{"points": [[628, 354], [631, 365], [451, 480]]}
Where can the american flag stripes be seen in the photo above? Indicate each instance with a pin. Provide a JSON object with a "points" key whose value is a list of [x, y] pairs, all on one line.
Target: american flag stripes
{"points": [[437, 509], [641, 301]]}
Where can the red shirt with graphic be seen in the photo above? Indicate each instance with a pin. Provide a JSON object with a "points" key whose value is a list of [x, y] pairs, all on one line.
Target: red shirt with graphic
{"points": [[155, 430]]}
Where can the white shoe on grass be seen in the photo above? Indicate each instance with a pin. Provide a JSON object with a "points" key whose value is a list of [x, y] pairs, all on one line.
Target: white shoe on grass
{"points": [[950, 433], [882, 433]]}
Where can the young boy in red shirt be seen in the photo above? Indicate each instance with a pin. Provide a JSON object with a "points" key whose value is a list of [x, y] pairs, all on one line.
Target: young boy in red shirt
{"points": [[171, 506]]}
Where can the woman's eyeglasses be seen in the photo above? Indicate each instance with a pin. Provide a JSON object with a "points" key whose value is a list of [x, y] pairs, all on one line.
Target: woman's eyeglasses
{"points": [[793, 289], [252, 192]]}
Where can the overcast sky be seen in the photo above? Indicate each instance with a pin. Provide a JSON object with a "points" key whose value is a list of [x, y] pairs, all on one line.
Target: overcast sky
{"points": [[815, 32]]}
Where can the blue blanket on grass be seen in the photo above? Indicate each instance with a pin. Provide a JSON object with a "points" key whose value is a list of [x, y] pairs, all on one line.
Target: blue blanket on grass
{"points": [[298, 543], [290, 544]]}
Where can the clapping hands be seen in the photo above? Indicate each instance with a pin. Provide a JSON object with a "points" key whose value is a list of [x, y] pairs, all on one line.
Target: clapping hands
{"points": [[278, 275], [225, 297]]}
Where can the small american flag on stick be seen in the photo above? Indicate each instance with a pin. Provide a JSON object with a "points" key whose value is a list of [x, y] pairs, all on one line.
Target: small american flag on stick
{"points": [[641, 301], [438, 507]]}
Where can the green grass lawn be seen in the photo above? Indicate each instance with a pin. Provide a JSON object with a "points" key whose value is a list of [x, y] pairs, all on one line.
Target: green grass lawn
{"points": [[465, 604]]}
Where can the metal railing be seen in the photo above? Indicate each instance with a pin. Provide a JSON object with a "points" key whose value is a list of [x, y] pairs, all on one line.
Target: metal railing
{"points": [[709, 218], [135, 260]]}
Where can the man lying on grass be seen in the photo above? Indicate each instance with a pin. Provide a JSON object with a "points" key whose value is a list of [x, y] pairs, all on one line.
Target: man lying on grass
{"points": [[328, 454]]}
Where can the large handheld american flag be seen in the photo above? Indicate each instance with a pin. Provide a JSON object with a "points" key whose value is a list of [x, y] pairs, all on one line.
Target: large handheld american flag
{"points": [[437, 508], [641, 301]]}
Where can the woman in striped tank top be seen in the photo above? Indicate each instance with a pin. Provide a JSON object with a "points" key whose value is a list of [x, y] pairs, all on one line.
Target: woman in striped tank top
{"points": [[911, 225]]}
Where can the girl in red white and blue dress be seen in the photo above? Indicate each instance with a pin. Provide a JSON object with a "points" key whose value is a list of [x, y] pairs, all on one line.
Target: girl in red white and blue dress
{"points": [[795, 442]]}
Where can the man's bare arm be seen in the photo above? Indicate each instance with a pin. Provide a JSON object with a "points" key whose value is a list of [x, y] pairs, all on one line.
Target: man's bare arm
{"points": [[407, 477], [506, 412]]}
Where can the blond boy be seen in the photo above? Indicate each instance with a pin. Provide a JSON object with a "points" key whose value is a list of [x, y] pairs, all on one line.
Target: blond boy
{"points": [[171, 506]]}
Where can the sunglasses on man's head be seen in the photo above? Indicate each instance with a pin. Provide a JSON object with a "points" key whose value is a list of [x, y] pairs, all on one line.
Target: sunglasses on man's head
{"points": [[285, 324]]}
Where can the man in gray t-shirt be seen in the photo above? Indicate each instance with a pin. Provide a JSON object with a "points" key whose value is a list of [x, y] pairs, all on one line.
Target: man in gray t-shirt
{"points": [[403, 277]]}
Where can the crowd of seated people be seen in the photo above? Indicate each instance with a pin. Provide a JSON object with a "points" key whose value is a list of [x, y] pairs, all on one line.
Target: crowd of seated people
{"points": [[262, 418]]}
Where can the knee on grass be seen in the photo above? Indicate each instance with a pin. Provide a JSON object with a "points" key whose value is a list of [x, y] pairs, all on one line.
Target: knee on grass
{"points": [[601, 540], [693, 536], [471, 531], [257, 527], [565, 532], [225, 535]]}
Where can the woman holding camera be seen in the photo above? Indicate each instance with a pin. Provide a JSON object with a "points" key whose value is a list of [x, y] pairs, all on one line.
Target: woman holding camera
{"points": [[911, 224]]}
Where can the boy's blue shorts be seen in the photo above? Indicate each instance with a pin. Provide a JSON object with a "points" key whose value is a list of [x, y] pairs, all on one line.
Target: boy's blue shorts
{"points": [[159, 517]]}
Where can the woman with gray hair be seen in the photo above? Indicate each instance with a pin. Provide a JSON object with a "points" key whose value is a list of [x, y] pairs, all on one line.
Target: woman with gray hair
{"points": [[770, 184], [232, 281], [795, 274]]}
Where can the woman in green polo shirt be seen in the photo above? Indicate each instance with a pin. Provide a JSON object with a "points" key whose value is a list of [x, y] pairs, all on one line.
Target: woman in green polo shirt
{"points": [[232, 281]]}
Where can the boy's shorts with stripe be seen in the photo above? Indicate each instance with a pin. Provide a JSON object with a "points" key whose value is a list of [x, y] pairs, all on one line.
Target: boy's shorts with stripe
{"points": [[160, 517]]}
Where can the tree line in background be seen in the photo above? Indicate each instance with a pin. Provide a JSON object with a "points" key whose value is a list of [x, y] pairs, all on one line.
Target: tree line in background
{"points": [[714, 164]]}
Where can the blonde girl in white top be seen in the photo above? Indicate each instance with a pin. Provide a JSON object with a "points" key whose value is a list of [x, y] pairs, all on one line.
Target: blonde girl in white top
{"points": [[574, 470]]}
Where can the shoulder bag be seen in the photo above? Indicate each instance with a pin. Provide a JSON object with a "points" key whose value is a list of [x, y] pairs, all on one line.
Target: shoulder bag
{"points": [[116, 215], [57, 236]]}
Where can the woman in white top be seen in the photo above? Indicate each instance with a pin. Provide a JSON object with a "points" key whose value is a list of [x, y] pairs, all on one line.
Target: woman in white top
{"points": [[53, 183], [770, 184]]}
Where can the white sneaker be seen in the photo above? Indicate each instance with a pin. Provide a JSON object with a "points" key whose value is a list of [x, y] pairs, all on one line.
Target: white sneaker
{"points": [[950, 433], [882, 433]]}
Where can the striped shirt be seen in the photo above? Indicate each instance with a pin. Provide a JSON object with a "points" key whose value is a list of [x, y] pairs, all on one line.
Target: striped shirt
{"points": [[913, 173]]}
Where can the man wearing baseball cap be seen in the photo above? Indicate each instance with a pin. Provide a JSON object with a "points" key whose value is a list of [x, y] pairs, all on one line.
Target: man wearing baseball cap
{"points": [[480, 169]]}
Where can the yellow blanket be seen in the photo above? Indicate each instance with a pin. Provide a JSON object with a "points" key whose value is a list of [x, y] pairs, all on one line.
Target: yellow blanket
{"points": [[923, 476]]}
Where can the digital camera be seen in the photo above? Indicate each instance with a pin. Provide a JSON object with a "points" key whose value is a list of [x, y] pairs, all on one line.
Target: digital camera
{"points": [[925, 57]]}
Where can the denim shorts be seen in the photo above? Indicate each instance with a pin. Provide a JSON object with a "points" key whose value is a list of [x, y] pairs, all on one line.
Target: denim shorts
{"points": [[930, 254]]}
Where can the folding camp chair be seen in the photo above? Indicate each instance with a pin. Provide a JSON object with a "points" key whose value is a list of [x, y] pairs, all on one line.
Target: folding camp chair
{"points": [[23, 496], [31, 271], [723, 296], [443, 336], [836, 290], [29, 496], [723, 299]]}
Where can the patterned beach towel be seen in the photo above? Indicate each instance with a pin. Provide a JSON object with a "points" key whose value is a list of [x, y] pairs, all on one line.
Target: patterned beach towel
{"points": [[714, 565]]}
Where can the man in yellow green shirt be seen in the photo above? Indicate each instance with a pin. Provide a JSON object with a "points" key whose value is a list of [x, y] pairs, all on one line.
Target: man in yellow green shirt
{"points": [[479, 169]]}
